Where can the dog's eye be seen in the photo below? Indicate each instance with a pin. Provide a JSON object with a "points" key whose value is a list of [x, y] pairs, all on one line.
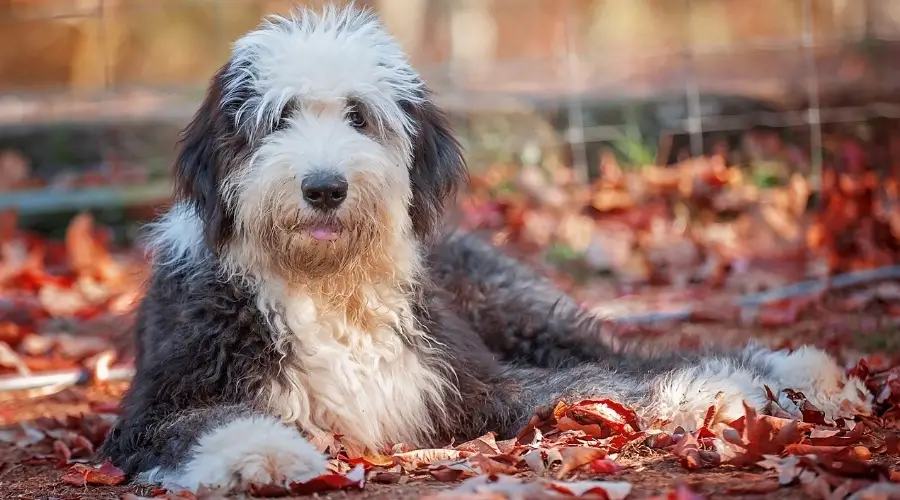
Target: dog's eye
{"points": [[356, 119]]}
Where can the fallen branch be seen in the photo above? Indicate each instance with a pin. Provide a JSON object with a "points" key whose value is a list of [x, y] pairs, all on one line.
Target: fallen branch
{"points": [[749, 304]]}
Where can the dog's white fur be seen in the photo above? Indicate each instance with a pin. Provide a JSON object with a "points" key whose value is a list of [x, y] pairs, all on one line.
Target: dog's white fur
{"points": [[365, 385], [254, 450], [360, 380]]}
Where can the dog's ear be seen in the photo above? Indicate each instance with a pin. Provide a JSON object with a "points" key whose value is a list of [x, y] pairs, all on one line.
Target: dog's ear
{"points": [[209, 149], [438, 167]]}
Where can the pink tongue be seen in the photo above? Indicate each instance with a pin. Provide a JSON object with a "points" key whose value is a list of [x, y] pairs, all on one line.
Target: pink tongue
{"points": [[322, 233]]}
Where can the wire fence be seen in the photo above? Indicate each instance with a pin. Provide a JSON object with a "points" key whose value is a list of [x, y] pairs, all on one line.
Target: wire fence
{"points": [[802, 65]]}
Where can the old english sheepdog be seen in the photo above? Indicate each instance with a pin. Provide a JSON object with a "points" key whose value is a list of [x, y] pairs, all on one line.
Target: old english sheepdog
{"points": [[303, 285]]}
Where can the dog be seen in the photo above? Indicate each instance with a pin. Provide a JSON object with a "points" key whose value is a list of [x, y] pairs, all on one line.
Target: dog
{"points": [[303, 284]]}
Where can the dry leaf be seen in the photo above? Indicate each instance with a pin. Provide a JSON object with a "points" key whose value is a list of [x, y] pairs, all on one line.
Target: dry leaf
{"points": [[82, 475], [575, 457]]}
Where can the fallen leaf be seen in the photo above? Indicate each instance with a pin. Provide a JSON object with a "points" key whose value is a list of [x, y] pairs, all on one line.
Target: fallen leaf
{"points": [[692, 457], [491, 466], [453, 471], [619, 418], [605, 466], [82, 475], [356, 478], [484, 444], [535, 461], [575, 457], [417, 458], [592, 430], [611, 490]]}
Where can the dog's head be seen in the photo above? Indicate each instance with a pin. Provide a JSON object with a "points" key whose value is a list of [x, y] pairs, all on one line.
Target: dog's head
{"points": [[317, 145]]}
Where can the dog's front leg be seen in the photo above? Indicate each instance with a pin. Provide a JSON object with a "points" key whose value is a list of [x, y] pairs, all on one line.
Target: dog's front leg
{"points": [[229, 447]]}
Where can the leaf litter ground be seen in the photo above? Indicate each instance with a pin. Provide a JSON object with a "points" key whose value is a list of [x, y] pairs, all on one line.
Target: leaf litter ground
{"points": [[65, 306]]}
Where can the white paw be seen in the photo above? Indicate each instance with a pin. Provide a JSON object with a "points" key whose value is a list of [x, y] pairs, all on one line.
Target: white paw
{"points": [[252, 450], [815, 374]]}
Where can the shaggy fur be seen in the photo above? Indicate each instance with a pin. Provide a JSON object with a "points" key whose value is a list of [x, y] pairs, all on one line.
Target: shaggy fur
{"points": [[270, 311]]}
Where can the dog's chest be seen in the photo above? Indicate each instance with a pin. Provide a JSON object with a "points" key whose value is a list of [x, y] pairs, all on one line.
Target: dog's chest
{"points": [[368, 386]]}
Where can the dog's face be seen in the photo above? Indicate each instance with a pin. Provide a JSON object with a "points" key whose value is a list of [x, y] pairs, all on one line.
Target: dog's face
{"points": [[316, 144]]}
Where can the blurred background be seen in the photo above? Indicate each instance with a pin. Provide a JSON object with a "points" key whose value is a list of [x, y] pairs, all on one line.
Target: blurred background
{"points": [[656, 145]]}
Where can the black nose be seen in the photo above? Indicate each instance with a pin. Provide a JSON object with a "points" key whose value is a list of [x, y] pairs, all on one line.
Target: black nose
{"points": [[325, 191]]}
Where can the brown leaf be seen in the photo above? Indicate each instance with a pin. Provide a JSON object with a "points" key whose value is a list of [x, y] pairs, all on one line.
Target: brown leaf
{"points": [[592, 430], [417, 458], [370, 460], [857, 452], [483, 444], [452, 471], [490, 466], [764, 435], [692, 457], [82, 475], [531, 434], [892, 444], [574, 457]]}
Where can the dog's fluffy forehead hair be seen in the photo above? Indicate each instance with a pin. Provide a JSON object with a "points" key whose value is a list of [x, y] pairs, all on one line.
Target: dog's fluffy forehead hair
{"points": [[339, 54]]}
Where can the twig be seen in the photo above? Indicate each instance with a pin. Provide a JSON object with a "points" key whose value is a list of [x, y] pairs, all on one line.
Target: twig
{"points": [[750, 304], [821, 285], [68, 378], [37, 392]]}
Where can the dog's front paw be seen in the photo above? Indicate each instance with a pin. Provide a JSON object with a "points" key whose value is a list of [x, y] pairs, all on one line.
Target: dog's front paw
{"points": [[822, 381], [252, 450]]}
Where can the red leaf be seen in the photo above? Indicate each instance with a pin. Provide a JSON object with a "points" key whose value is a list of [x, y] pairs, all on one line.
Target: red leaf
{"points": [[82, 475], [605, 466], [617, 417], [356, 478]]}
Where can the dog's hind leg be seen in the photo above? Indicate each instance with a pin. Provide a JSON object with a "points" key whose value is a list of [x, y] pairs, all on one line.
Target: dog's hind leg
{"points": [[678, 390], [521, 315]]}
